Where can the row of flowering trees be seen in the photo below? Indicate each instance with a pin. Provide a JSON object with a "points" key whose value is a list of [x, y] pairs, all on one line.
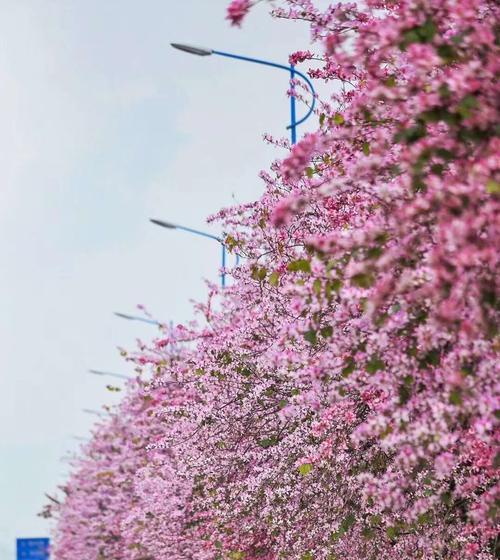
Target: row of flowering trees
{"points": [[340, 399]]}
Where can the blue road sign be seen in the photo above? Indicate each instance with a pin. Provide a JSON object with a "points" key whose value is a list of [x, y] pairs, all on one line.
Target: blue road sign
{"points": [[32, 549]]}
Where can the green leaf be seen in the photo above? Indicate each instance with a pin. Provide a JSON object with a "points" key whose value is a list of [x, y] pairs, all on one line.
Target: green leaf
{"points": [[409, 36], [322, 118], [391, 532], [447, 53], [421, 34], [309, 172], [300, 265], [374, 252], [374, 364], [305, 469], [404, 393], [267, 442], [455, 397], [347, 522], [326, 332], [444, 91], [274, 278], [467, 105], [307, 556], [447, 498], [366, 148], [427, 31], [368, 533], [338, 119], [112, 388], [259, 273], [245, 371], [311, 336], [349, 367], [317, 287], [412, 134], [390, 81], [405, 389], [362, 280], [492, 186], [431, 358], [331, 286], [230, 242], [424, 518], [437, 114]]}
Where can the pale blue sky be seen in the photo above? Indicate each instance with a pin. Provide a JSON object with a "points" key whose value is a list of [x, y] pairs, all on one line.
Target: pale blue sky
{"points": [[102, 126]]}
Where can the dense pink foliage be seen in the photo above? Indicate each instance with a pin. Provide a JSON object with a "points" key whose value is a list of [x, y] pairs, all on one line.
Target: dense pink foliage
{"points": [[340, 399]]}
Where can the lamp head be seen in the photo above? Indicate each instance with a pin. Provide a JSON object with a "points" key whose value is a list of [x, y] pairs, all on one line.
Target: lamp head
{"points": [[162, 223], [122, 315], [200, 51]]}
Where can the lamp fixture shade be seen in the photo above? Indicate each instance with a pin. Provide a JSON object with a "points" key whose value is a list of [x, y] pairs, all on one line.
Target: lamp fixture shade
{"points": [[200, 51]]}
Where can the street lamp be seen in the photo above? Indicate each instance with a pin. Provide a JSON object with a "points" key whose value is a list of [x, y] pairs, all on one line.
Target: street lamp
{"points": [[170, 225], [79, 438], [109, 374], [200, 51], [91, 411], [135, 318]]}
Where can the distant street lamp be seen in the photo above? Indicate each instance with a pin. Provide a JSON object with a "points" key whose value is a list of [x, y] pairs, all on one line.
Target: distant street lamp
{"points": [[109, 373], [79, 438], [170, 225], [136, 318], [91, 411], [200, 51]]}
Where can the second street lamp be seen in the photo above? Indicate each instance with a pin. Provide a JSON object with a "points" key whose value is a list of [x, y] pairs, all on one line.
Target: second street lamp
{"points": [[170, 225]]}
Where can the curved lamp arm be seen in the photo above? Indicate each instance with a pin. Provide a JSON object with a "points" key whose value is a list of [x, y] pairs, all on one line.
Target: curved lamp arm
{"points": [[202, 51], [290, 69]]}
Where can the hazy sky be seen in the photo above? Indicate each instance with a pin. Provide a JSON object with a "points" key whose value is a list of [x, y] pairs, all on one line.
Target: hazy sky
{"points": [[103, 125]]}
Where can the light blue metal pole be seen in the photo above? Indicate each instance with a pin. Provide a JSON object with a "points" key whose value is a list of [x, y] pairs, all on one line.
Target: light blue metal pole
{"points": [[169, 225], [293, 117], [199, 51], [293, 72], [290, 69], [223, 276]]}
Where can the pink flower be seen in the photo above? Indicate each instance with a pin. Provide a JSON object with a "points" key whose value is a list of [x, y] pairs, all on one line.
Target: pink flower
{"points": [[299, 56], [300, 156], [237, 10]]}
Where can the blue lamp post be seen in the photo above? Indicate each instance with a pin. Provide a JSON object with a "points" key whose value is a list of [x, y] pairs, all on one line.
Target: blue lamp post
{"points": [[290, 69], [92, 411], [170, 225], [135, 318], [109, 374]]}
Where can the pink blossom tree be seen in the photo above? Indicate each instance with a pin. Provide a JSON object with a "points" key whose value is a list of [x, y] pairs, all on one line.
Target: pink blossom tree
{"points": [[340, 399]]}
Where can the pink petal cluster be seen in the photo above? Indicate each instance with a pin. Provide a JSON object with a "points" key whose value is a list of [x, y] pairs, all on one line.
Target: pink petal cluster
{"points": [[237, 11], [341, 398]]}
